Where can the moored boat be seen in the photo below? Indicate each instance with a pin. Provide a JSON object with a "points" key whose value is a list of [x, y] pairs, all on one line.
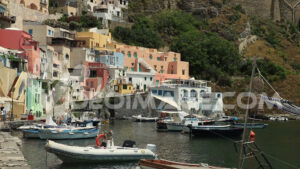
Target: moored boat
{"points": [[94, 154], [215, 130], [166, 164], [140, 118], [68, 133]]}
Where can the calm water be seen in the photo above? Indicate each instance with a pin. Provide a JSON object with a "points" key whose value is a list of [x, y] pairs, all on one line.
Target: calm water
{"points": [[279, 139]]}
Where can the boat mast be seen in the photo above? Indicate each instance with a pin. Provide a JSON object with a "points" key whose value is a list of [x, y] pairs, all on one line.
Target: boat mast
{"points": [[241, 159]]}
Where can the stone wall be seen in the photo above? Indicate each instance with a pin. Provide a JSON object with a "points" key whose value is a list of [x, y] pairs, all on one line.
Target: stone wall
{"points": [[23, 13]]}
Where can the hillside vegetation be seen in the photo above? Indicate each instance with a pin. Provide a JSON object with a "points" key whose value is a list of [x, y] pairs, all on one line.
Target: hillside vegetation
{"points": [[210, 41]]}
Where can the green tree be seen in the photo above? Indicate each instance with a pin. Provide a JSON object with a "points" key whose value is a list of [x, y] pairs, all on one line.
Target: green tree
{"points": [[208, 54]]}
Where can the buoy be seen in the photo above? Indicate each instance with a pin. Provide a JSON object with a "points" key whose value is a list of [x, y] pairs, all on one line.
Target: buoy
{"points": [[98, 143], [252, 136]]}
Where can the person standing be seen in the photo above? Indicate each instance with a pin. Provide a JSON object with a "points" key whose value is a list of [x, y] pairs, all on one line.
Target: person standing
{"points": [[3, 112]]}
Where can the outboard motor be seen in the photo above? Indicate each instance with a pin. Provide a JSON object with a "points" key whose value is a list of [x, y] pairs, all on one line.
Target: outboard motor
{"points": [[152, 147], [129, 143]]}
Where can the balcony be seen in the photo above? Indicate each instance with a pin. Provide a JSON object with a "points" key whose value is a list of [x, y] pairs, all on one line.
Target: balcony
{"points": [[43, 2]]}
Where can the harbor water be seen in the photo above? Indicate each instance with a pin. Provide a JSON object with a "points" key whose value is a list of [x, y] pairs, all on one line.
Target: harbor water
{"points": [[280, 141]]}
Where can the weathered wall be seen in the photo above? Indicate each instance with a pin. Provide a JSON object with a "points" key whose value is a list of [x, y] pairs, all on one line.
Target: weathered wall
{"points": [[23, 13]]}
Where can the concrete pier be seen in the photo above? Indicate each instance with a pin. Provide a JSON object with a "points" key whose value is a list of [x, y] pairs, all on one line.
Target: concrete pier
{"points": [[11, 156]]}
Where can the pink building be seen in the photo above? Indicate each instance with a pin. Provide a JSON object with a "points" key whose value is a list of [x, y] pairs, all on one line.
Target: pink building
{"points": [[96, 76], [22, 41], [167, 65]]}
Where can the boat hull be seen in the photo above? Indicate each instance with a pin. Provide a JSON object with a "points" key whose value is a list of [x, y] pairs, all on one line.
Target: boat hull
{"points": [[68, 134], [177, 127], [31, 133], [250, 125], [217, 131], [74, 154]]}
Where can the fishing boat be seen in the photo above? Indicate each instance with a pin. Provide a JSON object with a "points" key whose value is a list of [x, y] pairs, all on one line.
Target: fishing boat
{"points": [[213, 130], [97, 154], [167, 117], [140, 118], [183, 126], [166, 164], [68, 133], [32, 131], [251, 125]]}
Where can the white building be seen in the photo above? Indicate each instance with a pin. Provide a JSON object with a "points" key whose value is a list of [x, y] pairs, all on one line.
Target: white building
{"points": [[141, 81], [108, 13], [190, 96]]}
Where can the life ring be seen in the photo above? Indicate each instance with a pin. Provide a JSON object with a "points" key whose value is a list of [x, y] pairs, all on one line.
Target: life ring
{"points": [[98, 143]]}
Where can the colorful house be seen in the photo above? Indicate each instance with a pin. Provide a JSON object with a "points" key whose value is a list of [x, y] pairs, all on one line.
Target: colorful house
{"points": [[22, 41], [167, 65], [98, 40], [124, 88], [110, 58], [34, 97], [96, 76]]}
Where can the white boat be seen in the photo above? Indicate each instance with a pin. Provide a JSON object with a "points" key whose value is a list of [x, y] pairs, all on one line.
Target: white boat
{"points": [[140, 118], [111, 153]]}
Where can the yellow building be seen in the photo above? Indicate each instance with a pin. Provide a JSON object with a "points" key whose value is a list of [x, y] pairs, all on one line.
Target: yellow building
{"points": [[98, 40], [124, 88]]}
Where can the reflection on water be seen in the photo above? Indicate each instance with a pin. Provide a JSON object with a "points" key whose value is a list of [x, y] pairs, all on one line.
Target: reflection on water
{"points": [[281, 140]]}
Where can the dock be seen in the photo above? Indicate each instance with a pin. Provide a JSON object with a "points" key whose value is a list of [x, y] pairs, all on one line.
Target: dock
{"points": [[11, 154]]}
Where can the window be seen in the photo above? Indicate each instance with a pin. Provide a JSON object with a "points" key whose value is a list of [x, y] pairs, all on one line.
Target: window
{"points": [[92, 84], [30, 31], [158, 58], [129, 54], [175, 59], [165, 58], [183, 71], [157, 82], [145, 78], [93, 73], [160, 92], [168, 93], [125, 87], [193, 93], [161, 71], [67, 56], [54, 74], [154, 91], [132, 69], [130, 79], [49, 32], [135, 55], [150, 78], [150, 57], [87, 83]]}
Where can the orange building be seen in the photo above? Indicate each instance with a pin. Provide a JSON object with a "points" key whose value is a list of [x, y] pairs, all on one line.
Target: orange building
{"points": [[167, 65]]}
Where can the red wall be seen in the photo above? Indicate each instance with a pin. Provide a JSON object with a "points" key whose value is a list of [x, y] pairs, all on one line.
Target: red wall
{"points": [[102, 73], [20, 40]]}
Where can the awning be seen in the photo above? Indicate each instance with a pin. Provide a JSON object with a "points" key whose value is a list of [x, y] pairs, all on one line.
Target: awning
{"points": [[168, 101]]}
